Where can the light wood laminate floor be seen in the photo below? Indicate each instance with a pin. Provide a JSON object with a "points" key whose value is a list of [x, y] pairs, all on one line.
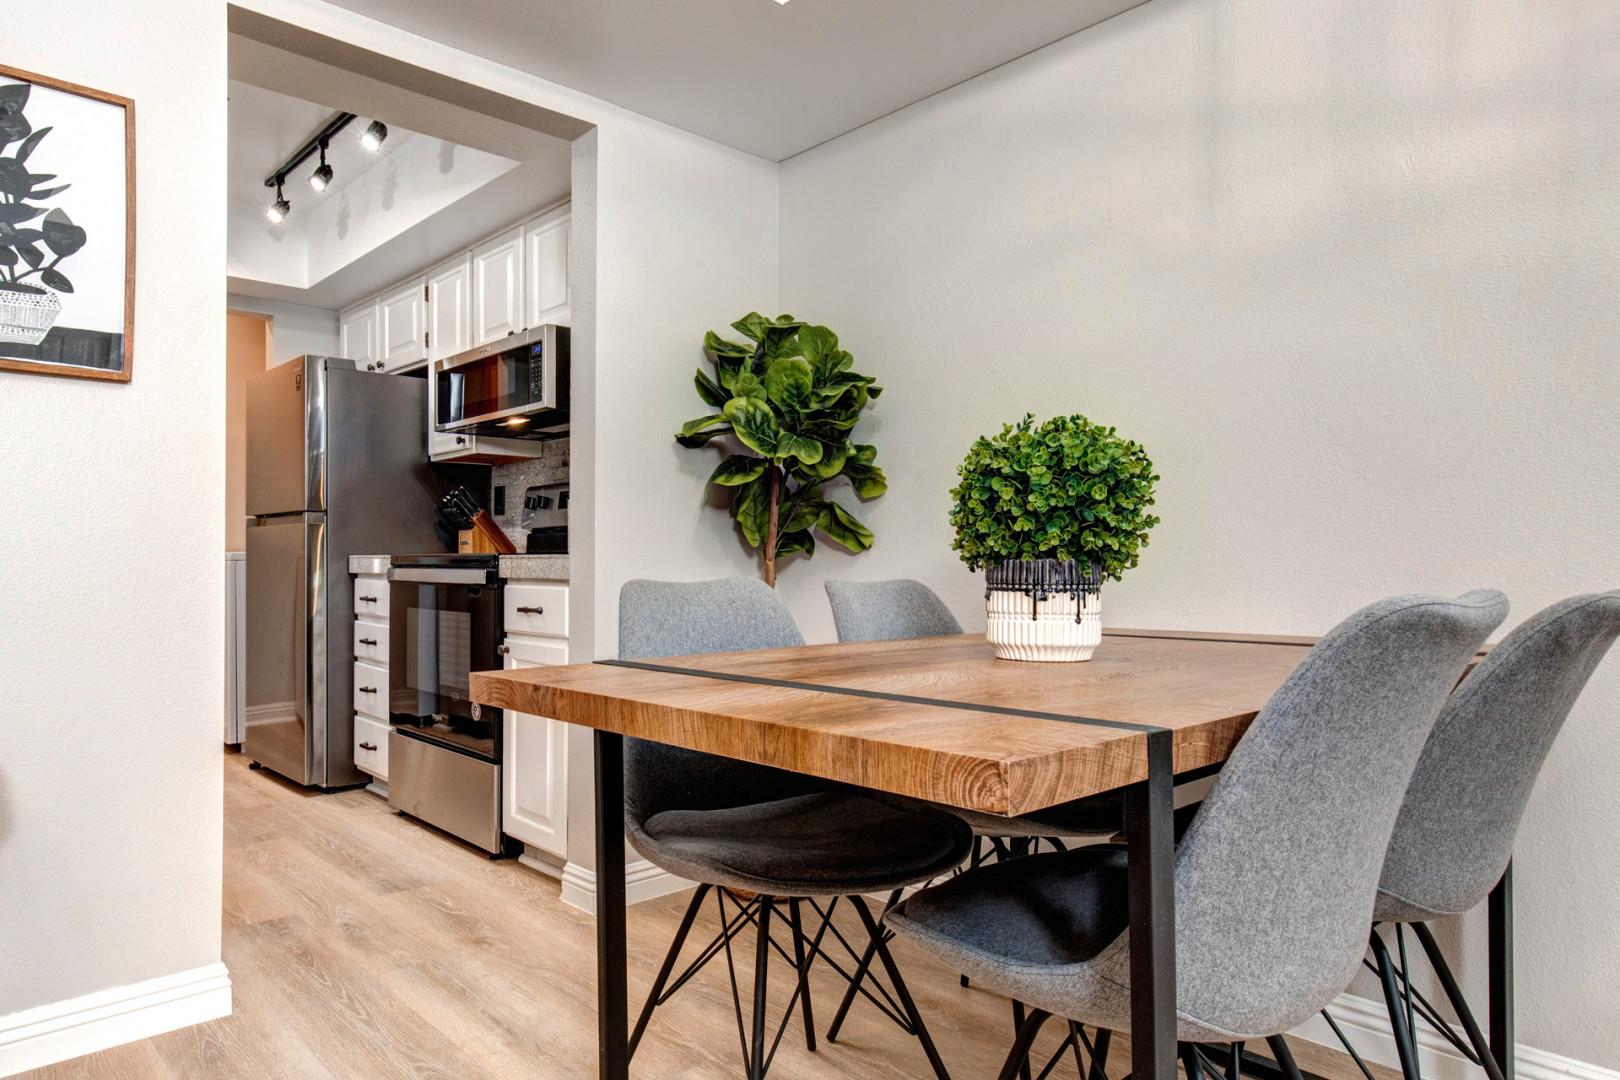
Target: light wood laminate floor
{"points": [[361, 944]]}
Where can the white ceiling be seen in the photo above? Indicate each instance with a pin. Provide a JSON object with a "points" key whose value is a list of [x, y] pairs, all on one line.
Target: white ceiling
{"points": [[773, 79], [307, 259]]}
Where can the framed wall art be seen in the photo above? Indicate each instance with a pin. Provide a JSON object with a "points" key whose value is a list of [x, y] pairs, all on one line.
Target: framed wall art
{"points": [[67, 229]]}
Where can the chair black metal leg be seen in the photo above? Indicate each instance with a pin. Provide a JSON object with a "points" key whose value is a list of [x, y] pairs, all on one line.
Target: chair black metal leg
{"points": [[1099, 1055], [612, 948], [1018, 1025], [862, 968], [673, 955], [900, 991], [1397, 1013], [1191, 1063], [1448, 983], [1018, 1056], [804, 974], [762, 961], [1500, 906], [1284, 1057]]}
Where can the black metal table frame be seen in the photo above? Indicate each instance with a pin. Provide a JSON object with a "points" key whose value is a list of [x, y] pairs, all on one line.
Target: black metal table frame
{"points": [[1150, 874]]}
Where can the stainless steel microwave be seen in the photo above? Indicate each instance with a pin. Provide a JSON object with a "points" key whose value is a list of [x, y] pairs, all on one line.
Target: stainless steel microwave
{"points": [[516, 387]]}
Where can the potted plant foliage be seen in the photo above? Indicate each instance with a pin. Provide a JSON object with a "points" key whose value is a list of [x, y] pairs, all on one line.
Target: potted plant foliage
{"points": [[28, 309], [785, 404], [1049, 511]]}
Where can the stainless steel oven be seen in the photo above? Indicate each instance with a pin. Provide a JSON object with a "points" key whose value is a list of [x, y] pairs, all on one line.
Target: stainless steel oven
{"points": [[515, 387], [444, 752]]}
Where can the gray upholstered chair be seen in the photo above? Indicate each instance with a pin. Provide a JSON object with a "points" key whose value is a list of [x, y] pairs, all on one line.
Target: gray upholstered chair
{"points": [[1277, 875], [1453, 839], [764, 839]]}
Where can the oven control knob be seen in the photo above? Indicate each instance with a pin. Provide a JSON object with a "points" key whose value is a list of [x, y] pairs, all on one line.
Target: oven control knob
{"points": [[477, 710]]}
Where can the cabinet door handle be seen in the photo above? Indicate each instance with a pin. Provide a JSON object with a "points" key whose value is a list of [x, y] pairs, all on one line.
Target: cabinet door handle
{"points": [[531, 611], [368, 641], [368, 746], [367, 599], [368, 689], [380, 365], [503, 650], [461, 440]]}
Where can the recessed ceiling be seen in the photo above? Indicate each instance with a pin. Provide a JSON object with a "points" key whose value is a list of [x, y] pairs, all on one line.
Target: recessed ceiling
{"points": [[769, 78]]}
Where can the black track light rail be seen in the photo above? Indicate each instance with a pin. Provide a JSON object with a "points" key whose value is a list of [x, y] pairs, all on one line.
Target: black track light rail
{"points": [[316, 141]]}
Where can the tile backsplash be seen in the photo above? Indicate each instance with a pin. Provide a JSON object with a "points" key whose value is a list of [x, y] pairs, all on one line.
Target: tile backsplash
{"points": [[551, 467]]}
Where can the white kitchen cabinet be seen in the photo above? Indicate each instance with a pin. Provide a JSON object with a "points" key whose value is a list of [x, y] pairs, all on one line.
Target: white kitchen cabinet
{"points": [[402, 327], [357, 333], [449, 309], [545, 269], [497, 288], [534, 804]]}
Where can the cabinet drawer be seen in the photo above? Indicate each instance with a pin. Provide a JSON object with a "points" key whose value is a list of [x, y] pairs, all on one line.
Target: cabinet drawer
{"points": [[371, 596], [371, 746], [371, 690], [371, 641], [537, 609]]}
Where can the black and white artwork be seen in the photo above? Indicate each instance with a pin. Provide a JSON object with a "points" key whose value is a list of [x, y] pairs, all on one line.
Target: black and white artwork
{"points": [[67, 230]]}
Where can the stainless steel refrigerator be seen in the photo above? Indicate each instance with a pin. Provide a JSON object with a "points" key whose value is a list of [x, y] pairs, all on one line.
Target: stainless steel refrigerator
{"points": [[336, 466]]}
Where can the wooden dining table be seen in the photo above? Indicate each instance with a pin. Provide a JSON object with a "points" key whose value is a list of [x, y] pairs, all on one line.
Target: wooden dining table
{"points": [[939, 719]]}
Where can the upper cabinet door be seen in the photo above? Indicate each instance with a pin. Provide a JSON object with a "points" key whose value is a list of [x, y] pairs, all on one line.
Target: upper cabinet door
{"points": [[357, 334], [497, 290], [449, 310], [545, 268], [402, 325]]}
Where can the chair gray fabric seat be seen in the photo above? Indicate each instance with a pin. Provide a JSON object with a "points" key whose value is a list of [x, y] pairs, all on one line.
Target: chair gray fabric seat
{"points": [[1044, 911], [1088, 819], [819, 844], [1276, 876]]}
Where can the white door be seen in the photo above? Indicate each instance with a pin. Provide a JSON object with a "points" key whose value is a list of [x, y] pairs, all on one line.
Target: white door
{"points": [[534, 761], [401, 328], [449, 309], [545, 269], [497, 288], [357, 334]]}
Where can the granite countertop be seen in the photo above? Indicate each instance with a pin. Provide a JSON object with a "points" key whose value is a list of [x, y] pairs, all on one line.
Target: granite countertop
{"points": [[513, 567]]}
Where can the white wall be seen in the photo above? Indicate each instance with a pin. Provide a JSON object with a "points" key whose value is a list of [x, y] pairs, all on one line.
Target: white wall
{"points": [[1348, 270], [110, 646], [295, 329]]}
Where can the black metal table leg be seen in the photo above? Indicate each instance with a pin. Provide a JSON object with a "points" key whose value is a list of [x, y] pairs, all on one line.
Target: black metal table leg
{"points": [[1500, 906], [612, 953], [1150, 836]]}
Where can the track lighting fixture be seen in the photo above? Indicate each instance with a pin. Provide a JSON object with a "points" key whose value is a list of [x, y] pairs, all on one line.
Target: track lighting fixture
{"points": [[278, 211], [376, 132], [323, 175]]}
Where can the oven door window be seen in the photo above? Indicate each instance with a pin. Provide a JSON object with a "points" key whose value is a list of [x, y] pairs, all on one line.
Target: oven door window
{"points": [[439, 635]]}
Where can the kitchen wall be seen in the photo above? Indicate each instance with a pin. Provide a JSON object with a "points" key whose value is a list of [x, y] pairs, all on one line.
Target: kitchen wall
{"points": [[1348, 270], [551, 467], [295, 329], [110, 649], [247, 351]]}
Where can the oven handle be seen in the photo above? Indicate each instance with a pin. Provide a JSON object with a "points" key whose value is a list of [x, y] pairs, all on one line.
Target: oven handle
{"points": [[440, 576]]}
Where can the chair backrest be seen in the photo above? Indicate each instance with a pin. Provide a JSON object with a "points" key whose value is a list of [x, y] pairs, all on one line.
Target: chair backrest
{"points": [[884, 610], [1454, 835], [1276, 877], [677, 618]]}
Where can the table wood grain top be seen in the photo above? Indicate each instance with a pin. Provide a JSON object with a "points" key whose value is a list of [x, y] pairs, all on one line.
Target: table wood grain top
{"points": [[956, 739]]}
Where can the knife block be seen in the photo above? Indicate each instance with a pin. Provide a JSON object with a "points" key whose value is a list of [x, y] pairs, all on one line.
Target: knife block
{"points": [[484, 538]]}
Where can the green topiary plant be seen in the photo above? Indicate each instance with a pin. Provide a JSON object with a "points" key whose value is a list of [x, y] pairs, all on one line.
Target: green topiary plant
{"points": [[1065, 489], [791, 401]]}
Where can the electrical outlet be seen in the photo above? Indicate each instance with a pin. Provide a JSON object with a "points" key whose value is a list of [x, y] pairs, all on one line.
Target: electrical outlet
{"points": [[500, 500]]}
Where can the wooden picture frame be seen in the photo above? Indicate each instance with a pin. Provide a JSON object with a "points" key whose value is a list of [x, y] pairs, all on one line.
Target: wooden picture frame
{"points": [[36, 334]]}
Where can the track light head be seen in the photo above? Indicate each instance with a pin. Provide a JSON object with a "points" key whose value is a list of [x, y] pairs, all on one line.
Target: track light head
{"points": [[321, 177], [278, 210], [376, 132]]}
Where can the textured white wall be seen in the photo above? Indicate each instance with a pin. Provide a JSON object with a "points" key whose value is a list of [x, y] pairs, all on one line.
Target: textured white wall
{"points": [[110, 644], [1348, 270]]}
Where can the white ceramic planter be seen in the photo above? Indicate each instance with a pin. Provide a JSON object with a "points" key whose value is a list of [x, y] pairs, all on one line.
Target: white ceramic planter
{"points": [[1060, 628], [27, 316]]}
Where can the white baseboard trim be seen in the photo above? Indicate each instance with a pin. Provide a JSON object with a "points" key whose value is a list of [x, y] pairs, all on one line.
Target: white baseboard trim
{"points": [[68, 1029], [1366, 1023], [642, 881]]}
